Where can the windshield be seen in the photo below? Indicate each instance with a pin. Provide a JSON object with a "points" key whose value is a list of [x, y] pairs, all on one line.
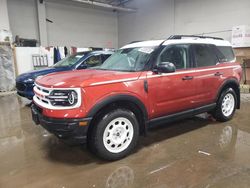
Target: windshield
{"points": [[130, 59], [69, 61]]}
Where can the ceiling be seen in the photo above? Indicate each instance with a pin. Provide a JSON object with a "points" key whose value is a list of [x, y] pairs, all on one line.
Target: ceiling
{"points": [[114, 2], [118, 5]]}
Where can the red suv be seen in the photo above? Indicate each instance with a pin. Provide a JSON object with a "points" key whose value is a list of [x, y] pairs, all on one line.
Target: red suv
{"points": [[142, 84]]}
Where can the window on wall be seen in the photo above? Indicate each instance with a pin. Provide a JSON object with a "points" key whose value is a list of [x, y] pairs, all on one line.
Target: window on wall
{"points": [[204, 55], [176, 54]]}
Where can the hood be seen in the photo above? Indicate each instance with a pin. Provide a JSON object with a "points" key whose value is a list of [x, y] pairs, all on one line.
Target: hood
{"points": [[84, 78], [35, 73]]}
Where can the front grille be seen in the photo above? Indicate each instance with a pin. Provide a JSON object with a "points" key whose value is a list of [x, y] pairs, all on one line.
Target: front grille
{"points": [[20, 86], [44, 90]]}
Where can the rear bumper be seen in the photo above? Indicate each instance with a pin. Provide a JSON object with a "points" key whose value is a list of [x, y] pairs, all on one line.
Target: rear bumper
{"points": [[67, 129]]}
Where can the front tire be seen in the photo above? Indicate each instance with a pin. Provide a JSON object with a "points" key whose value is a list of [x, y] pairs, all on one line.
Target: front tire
{"points": [[115, 135], [226, 105]]}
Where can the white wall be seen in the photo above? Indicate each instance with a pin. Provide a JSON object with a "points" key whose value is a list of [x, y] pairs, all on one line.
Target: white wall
{"points": [[23, 18], [73, 24], [24, 58], [80, 26], [203, 16], [4, 19], [161, 18], [153, 20]]}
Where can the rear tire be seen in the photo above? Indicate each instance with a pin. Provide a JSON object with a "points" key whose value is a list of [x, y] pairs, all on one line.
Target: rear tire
{"points": [[226, 105], [115, 135]]}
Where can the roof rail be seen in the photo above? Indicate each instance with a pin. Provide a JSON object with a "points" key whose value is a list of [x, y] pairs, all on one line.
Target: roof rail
{"points": [[193, 36]]}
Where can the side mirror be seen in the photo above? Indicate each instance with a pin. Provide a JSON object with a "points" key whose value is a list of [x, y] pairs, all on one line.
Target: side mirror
{"points": [[165, 67]]}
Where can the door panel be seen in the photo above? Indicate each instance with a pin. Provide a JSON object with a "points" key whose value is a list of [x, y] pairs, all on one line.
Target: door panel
{"points": [[170, 93], [209, 73], [209, 81]]}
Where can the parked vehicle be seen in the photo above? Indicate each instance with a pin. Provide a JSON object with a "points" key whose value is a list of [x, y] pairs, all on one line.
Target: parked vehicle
{"points": [[81, 60], [142, 84]]}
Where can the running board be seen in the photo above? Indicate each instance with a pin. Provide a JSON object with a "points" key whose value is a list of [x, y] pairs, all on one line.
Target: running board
{"points": [[181, 115]]}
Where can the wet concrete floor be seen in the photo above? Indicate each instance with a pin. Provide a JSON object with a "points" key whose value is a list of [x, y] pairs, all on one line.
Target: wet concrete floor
{"points": [[196, 152]]}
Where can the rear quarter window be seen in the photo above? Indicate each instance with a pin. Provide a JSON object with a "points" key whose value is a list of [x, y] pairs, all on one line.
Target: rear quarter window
{"points": [[225, 53]]}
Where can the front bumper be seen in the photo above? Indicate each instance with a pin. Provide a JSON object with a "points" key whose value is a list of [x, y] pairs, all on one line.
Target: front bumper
{"points": [[67, 129], [25, 90]]}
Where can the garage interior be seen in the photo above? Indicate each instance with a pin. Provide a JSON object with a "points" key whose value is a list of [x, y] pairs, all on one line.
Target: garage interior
{"points": [[195, 152]]}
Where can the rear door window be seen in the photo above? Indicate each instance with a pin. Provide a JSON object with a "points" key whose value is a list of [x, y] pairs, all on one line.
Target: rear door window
{"points": [[204, 55]]}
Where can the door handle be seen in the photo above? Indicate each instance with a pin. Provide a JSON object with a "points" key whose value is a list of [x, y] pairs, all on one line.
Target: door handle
{"points": [[218, 74], [187, 78]]}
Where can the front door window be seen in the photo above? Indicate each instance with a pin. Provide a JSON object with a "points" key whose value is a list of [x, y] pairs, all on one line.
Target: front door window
{"points": [[176, 54]]}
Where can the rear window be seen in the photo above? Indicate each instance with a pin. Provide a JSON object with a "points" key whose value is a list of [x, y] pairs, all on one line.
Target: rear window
{"points": [[225, 53]]}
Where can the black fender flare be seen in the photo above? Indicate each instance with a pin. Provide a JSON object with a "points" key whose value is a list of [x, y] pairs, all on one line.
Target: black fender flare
{"points": [[229, 83], [118, 98]]}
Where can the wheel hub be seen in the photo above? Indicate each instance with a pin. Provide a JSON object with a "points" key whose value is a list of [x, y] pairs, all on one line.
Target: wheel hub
{"points": [[228, 105], [118, 135]]}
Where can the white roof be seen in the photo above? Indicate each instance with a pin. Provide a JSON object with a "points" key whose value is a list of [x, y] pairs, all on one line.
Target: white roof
{"points": [[188, 40], [148, 43]]}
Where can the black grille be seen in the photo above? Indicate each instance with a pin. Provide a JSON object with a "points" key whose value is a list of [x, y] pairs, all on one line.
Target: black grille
{"points": [[20, 86]]}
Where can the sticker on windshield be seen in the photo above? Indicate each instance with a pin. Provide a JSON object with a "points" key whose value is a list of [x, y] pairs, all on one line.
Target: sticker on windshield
{"points": [[146, 50]]}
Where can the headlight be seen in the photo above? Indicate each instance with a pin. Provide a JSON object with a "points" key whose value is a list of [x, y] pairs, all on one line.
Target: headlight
{"points": [[72, 97], [63, 97]]}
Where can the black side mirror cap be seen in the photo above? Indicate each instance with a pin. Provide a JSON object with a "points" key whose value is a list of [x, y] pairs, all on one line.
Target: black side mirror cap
{"points": [[165, 67]]}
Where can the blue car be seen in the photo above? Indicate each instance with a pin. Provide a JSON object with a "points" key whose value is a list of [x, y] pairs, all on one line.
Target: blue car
{"points": [[81, 60]]}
